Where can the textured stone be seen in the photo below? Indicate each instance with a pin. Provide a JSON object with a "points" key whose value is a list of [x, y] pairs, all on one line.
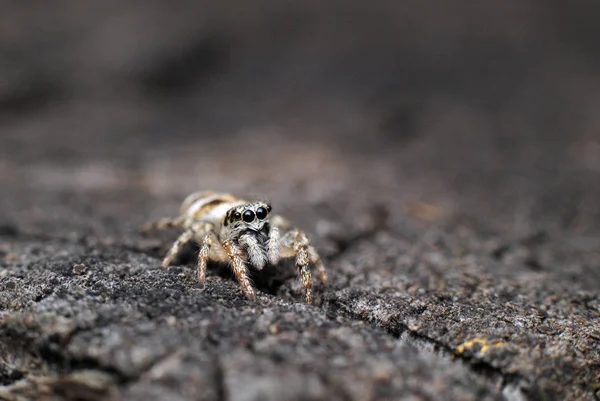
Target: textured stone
{"points": [[448, 177]]}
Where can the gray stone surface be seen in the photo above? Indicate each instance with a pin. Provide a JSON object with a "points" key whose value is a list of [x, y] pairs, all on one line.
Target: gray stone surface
{"points": [[445, 162]]}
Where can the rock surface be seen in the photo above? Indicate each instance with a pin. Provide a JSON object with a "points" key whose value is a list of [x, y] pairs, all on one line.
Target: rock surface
{"points": [[447, 173]]}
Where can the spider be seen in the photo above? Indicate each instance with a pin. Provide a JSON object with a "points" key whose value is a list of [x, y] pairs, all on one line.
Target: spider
{"points": [[230, 229]]}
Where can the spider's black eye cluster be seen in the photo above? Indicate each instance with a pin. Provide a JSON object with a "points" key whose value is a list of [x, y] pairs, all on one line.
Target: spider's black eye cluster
{"points": [[248, 216], [261, 213]]}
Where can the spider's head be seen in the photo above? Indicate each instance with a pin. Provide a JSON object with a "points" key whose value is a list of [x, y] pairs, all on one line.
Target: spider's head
{"points": [[252, 216]]}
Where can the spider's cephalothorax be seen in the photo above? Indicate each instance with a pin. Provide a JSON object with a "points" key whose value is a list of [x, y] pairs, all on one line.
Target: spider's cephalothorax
{"points": [[249, 226], [234, 230]]}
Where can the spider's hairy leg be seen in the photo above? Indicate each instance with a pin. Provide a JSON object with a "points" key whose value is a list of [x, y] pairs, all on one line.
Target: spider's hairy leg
{"points": [[278, 225], [163, 224], [177, 245], [274, 247], [316, 260], [208, 239], [256, 256], [239, 267], [300, 246]]}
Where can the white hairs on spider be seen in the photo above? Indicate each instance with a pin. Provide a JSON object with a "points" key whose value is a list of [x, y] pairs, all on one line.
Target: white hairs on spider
{"points": [[240, 232]]}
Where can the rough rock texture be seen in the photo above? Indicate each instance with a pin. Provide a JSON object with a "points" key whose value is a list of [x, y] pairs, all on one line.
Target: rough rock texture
{"points": [[445, 161]]}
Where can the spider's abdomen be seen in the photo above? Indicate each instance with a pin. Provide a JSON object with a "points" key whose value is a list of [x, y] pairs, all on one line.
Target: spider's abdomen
{"points": [[209, 206]]}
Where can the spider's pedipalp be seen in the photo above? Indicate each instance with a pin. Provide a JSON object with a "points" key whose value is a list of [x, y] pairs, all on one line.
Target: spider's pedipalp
{"points": [[256, 254], [274, 247]]}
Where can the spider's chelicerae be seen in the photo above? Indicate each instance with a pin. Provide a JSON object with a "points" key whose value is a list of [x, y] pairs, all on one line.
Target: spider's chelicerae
{"points": [[230, 229]]}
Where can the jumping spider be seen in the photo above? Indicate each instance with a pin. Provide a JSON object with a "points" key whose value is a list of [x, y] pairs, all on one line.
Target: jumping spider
{"points": [[230, 229]]}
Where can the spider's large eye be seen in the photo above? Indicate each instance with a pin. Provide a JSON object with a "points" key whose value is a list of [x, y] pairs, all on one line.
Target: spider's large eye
{"points": [[261, 213], [248, 216], [237, 215]]}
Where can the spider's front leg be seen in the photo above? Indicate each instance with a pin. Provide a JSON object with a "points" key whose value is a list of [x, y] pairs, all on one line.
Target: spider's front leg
{"points": [[177, 246], [316, 260], [285, 226], [299, 244], [207, 238], [236, 255]]}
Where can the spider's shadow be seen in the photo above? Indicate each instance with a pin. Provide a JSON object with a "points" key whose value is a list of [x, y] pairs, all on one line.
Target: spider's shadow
{"points": [[268, 280]]}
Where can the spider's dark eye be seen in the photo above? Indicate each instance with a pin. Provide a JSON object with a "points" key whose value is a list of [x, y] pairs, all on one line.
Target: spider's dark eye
{"points": [[261, 213], [248, 216], [237, 215], [269, 208]]}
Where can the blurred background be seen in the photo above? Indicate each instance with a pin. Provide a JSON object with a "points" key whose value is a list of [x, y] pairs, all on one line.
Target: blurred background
{"points": [[489, 111]]}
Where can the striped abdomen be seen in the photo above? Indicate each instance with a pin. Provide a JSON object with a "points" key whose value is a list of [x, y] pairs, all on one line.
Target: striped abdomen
{"points": [[209, 206]]}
